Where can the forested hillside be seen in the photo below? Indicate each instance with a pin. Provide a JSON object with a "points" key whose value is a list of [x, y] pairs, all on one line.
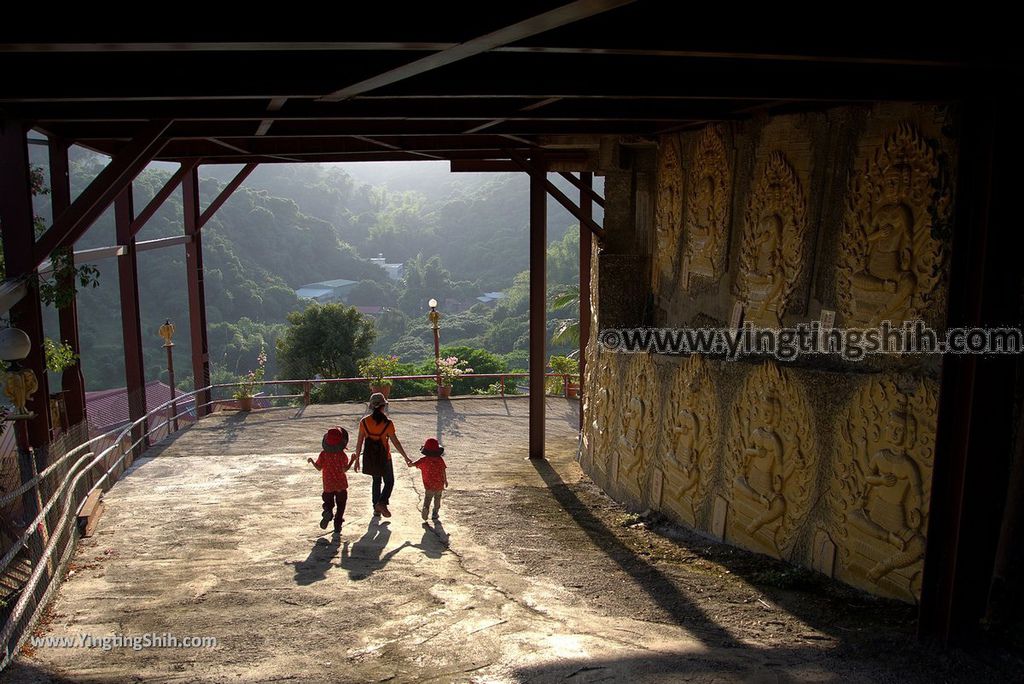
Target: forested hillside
{"points": [[459, 235]]}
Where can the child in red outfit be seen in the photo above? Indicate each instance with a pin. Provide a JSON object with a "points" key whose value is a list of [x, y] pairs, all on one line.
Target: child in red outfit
{"points": [[435, 475], [332, 464]]}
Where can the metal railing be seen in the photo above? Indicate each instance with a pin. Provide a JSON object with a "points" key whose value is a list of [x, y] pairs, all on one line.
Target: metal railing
{"points": [[59, 490], [308, 385]]}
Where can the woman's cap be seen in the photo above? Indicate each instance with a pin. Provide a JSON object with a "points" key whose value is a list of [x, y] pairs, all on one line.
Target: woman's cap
{"points": [[431, 448], [377, 400], [335, 439]]}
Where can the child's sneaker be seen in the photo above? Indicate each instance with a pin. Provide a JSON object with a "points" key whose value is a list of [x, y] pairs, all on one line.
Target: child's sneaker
{"points": [[424, 516], [376, 510], [435, 517], [384, 511], [324, 520]]}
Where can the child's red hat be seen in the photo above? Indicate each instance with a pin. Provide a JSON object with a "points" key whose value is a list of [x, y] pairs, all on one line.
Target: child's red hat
{"points": [[335, 439], [431, 448]]}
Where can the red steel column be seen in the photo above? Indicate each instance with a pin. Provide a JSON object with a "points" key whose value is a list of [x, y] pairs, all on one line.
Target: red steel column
{"points": [[586, 245], [196, 291], [18, 235], [538, 308], [72, 381], [131, 319]]}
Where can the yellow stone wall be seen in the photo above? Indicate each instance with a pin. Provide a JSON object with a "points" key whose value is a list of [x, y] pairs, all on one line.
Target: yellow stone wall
{"points": [[823, 462]]}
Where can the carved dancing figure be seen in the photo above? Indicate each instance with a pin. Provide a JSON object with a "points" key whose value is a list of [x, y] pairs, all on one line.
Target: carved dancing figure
{"points": [[765, 463], [892, 481]]}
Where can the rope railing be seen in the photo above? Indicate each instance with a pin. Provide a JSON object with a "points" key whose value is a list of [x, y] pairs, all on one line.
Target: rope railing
{"points": [[51, 537]]}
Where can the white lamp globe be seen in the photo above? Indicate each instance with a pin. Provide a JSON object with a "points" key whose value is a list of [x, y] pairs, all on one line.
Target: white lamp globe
{"points": [[14, 344], [432, 303]]}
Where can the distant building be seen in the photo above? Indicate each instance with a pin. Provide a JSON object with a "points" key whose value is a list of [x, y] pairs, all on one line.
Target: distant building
{"points": [[327, 291], [490, 297], [394, 271]]}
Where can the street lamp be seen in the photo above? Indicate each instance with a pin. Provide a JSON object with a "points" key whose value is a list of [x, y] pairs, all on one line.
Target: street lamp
{"points": [[434, 318], [167, 333]]}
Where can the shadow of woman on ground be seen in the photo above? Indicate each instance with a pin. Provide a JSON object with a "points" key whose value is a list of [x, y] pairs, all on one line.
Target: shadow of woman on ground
{"points": [[366, 555]]}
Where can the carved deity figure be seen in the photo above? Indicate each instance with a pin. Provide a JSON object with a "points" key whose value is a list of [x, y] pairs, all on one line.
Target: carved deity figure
{"points": [[772, 252], [889, 264], [703, 227], [19, 386], [690, 438], [769, 462], [879, 491], [639, 427], [890, 507], [765, 467], [603, 413], [669, 210], [887, 278], [706, 220]]}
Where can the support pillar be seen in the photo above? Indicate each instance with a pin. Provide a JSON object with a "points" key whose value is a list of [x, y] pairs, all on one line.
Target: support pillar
{"points": [[196, 291], [131, 319], [538, 309], [976, 419], [72, 381], [18, 235], [586, 247]]}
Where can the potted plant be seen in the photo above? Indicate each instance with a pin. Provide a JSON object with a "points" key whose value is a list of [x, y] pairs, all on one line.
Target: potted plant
{"points": [[376, 368], [248, 383], [449, 370], [565, 365]]}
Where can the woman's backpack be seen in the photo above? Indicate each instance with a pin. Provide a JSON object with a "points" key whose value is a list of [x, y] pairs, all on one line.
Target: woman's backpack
{"points": [[375, 455]]}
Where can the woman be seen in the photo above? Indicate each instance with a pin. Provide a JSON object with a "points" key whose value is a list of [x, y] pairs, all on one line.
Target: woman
{"points": [[377, 426]]}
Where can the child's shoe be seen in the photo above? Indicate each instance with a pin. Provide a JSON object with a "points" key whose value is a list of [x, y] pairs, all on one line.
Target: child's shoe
{"points": [[424, 515], [337, 525], [376, 510], [324, 520], [384, 511], [436, 516]]}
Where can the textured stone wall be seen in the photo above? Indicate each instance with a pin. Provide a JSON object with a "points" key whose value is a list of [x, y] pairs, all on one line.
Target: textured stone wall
{"points": [[820, 461]]}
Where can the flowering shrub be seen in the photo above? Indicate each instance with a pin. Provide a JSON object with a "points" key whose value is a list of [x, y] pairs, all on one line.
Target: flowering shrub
{"points": [[249, 381], [451, 369], [377, 366]]}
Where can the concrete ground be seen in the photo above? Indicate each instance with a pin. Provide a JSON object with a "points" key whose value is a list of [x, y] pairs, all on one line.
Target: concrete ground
{"points": [[532, 574]]}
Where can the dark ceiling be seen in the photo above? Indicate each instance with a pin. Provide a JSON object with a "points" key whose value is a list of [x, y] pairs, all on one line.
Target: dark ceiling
{"points": [[418, 82]]}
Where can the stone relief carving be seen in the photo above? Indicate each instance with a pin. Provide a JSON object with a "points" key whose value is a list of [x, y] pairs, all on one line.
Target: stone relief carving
{"points": [[604, 416], [770, 462], [689, 439], [773, 250], [706, 222], [669, 209], [889, 264], [640, 422], [881, 482]]}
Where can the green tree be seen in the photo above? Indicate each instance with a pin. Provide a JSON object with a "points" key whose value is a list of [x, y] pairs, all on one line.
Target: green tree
{"points": [[326, 340]]}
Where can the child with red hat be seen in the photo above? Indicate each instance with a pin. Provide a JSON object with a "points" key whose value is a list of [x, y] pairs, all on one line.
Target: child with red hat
{"points": [[332, 464], [435, 475]]}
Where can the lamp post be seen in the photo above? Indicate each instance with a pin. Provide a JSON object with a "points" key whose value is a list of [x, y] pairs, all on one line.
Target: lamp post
{"points": [[434, 318], [167, 333]]}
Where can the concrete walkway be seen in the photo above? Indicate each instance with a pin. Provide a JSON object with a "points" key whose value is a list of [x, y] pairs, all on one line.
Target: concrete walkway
{"points": [[526, 577]]}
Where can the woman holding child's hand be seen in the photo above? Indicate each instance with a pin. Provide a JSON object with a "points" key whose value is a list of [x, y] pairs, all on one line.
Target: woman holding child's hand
{"points": [[376, 426]]}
